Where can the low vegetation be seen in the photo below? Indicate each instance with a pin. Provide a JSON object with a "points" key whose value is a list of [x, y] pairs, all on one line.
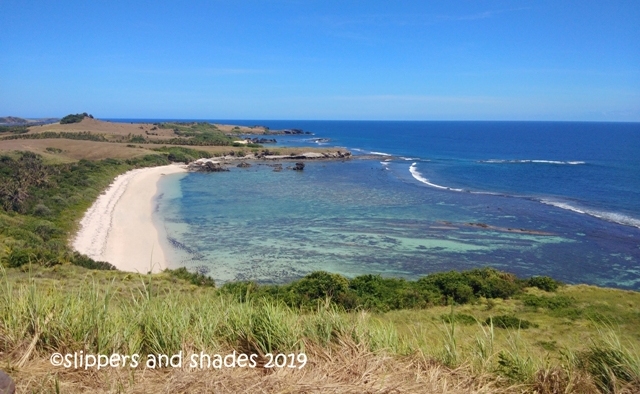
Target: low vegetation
{"points": [[378, 294], [180, 154], [13, 129], [41, 204], [66, 308], [197, 133], [75, 118], [83, 135], [188, 134]]}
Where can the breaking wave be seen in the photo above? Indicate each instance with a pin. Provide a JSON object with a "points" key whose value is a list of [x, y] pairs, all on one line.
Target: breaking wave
{"points": [[613, 217], [497, 161], [418, 176]]}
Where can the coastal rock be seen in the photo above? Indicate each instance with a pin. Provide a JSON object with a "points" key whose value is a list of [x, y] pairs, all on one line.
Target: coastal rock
{"points": [[7, 386], [313, 155], [207, 165], [214, 167], [262, 140], [338, 155], [306, 156], [277, 168], [244, 164], [288, 132], [298, 167]]}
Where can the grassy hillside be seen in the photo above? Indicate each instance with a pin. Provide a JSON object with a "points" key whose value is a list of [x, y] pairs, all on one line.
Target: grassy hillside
{"points": [[588, 347]]}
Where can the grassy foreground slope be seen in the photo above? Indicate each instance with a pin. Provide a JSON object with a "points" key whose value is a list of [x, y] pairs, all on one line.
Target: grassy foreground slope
{"points": [[589, 345]]}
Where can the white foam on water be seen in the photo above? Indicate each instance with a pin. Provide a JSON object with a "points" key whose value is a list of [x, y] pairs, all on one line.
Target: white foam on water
{"points": [[614, 217], [420, 178], [500, 161]]}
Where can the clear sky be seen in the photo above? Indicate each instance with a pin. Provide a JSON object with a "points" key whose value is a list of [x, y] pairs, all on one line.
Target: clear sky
{"points": [[324, 59]]}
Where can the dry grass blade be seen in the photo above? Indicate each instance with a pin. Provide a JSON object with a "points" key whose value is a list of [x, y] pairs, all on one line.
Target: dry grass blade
{"points": [[34, 341]]}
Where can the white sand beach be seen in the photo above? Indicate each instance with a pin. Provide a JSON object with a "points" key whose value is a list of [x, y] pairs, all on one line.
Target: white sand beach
{"points": [[118, 228]]}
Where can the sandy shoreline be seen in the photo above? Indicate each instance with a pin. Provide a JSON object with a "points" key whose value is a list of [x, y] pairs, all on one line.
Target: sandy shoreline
{"points": [[118, 228]]}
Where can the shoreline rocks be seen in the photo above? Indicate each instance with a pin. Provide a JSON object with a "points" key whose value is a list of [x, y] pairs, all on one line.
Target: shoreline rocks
{"points": [[261, 140], [288, 132], [218, 164], [310, 156], [206, 165]]}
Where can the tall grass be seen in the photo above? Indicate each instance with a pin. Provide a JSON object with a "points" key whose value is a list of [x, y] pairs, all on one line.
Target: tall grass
{"points": [[614, 364], [145, 316], [483, 351], [93, 319], [515, 361]]}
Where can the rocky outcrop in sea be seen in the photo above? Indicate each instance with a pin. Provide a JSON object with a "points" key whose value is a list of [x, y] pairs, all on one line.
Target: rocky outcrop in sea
{"points": [[218, 164], [207, 165]]}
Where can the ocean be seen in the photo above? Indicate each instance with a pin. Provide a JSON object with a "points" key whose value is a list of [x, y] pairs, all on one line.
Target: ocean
{"points": [[533, 198]]}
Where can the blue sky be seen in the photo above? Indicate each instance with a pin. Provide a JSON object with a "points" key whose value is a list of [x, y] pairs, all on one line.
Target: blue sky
{"points": [[396, 60]]}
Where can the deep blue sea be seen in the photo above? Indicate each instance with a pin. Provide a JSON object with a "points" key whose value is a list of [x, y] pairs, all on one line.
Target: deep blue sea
{"points": [[533, 198]]}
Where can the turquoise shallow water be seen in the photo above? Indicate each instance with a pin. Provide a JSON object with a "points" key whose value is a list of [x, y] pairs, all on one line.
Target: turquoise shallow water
{"points": [[363, 216], [578, 182]]}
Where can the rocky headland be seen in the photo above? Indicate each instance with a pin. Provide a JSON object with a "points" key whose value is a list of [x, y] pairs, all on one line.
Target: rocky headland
{"points": [[219, 164]]}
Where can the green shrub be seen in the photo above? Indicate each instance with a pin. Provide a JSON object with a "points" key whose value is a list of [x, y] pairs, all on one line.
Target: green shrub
{"points": [[242, 291], [138, 139], [460, 318], [195, 278], [18, 257], [87, 262], [14, 129], [552, 303], [179, 154], [74, 118], [47, 230], [464, 287], [319, 285], [543, 283], [383, 294], [508, 321], [41, 210]]}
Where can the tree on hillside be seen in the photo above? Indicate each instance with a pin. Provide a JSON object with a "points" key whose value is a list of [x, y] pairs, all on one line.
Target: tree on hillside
{"points": [[75, 118]]}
